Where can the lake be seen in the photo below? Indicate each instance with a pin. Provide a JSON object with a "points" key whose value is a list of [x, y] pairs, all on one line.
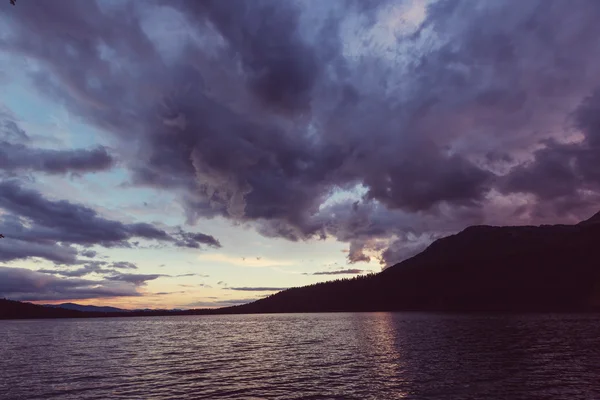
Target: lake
{"points": [[303, 356]]}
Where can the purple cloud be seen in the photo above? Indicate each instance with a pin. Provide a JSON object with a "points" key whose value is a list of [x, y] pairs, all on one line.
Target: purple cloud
{"points": [[136, 279], [477, 118], [123, 265], [194, 240], [15, 157], [350, 271], [27, 285], [257, 289], [79, 272], [38, 227], [218, 303]]}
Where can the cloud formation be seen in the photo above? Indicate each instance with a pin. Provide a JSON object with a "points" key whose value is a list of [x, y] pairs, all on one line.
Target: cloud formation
{"points": [[79, 272], [28, 285], [92, 267], [257, 289], [350, 271], [136, 279], [15, 157], [218, 303], [17, 154], [35, 226], [194, 240], [261, 111]]}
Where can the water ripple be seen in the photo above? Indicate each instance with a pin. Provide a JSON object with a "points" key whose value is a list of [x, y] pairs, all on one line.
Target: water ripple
{"points": [[303, 356]]}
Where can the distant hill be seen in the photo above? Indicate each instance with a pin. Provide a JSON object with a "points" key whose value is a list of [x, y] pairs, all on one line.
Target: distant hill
{"points": [[17, 310], [10, 309], [482, 268], [79, 307]]}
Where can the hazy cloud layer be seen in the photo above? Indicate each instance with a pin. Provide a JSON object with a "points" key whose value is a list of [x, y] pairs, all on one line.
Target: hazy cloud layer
{"points": [[441, 115]]}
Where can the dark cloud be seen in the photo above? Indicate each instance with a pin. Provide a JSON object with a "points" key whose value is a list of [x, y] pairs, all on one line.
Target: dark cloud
{"points": [[259, 112], [18, 155], [24, 284], [111, 272], [136, 279], [123, 265], [65, 221], [91, 267], [339, 272], [89, 253], [565, 176], [257, 289], [79, 272], [280, 71], [14, 249], [39, 227], [218, 303], [194, 240], [14, 157], [165, 293], [552, 174], [95, 267], [356, 252]]}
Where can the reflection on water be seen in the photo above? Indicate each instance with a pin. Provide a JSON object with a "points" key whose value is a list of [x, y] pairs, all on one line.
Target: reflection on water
{"points": [[303, 356]]}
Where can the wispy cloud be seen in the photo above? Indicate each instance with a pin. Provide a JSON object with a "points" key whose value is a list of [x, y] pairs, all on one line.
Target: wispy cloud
{"points": [[338, 272], [258, 289], [218, 303], [243, 261]]}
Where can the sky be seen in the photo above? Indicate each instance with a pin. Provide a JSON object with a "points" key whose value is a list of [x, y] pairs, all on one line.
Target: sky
{"points": [[185, 154]]}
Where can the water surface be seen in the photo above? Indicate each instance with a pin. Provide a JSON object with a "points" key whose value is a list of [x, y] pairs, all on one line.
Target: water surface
{"points": [[303, 356]]}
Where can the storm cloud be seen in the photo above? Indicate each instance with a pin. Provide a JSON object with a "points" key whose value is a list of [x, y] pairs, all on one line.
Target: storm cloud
{"points": [[435, 114]]}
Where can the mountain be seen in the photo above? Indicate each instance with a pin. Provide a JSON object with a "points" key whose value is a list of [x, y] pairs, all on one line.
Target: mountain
{"points": [[595, 219], [79, 307], [482, 268]]}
